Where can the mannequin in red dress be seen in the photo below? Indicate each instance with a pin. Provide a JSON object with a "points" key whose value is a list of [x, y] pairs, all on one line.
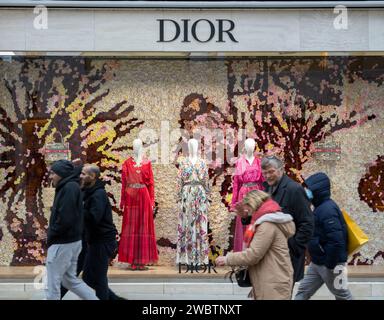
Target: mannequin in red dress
{"points": [[137, 239]]}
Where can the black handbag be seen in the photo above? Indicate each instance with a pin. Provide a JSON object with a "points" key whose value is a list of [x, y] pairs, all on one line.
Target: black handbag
{"points": [[241, 275]]}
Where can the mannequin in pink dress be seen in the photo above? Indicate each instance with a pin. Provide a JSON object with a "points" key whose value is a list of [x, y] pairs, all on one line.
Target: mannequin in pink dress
{"points": [[247, 177]]}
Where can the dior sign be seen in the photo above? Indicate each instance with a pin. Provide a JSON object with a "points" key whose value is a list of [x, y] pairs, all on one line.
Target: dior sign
{"points": [[198, 268], [202, 30]]}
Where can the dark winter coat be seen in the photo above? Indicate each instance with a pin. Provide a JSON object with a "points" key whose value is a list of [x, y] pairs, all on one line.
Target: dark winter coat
{"points": [[328, 245], [66, 221], [99, 226]]}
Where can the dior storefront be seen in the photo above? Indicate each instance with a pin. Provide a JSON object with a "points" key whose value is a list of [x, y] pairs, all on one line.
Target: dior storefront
{"points": [[84, 79]]}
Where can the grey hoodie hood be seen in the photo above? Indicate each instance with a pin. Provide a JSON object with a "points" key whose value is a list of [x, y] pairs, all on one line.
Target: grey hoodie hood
{"points": [[282, 220]]}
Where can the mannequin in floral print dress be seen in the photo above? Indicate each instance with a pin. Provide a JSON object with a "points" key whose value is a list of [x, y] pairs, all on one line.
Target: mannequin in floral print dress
{"points": [[193, 191]]}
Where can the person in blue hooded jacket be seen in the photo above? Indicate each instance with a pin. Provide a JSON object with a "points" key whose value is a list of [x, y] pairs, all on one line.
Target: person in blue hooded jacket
{"points": [[328, 246]]}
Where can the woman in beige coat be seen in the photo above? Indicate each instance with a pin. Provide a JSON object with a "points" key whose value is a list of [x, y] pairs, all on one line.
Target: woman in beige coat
{"points": [[265, 250]]}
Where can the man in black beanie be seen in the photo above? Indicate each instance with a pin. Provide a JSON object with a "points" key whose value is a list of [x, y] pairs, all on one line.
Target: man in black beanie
{"points": [[99, 239], [64, 233]]}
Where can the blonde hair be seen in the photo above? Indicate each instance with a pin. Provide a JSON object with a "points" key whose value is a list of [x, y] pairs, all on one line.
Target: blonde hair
{"points": [[255, 199]]}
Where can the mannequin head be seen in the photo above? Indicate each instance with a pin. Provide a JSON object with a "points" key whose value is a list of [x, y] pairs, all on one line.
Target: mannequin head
{"points": [[250, 145], [192, 147], [137, 146]]}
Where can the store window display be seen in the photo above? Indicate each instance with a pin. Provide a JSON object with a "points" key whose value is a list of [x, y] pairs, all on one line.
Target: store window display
{"points": [[247, 177], [193, 199], [137, 239]]}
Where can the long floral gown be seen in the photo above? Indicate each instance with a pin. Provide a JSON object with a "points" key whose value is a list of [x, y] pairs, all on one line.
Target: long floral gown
{"points": [[137, 239], [193, 198], [247, 177]]}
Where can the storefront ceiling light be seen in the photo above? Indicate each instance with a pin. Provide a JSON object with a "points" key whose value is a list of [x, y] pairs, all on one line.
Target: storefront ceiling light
{"points": [[134, 54], [186, 54], [7, 53], [202, 54], [63, 53], [191, 4]]}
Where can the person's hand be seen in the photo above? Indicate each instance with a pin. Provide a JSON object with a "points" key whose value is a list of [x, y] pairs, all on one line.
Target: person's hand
{"points": [[220, 261], [242, 210], [296, 250], [242, 214]]}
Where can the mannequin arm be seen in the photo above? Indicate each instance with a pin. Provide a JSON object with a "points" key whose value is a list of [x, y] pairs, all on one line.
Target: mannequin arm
{"points": [[123, 188], [235, 191], [151, 186], [179, 182]]}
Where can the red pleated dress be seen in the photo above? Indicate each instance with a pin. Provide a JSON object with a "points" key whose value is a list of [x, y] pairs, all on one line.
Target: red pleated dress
{"points": [[137, 244]]}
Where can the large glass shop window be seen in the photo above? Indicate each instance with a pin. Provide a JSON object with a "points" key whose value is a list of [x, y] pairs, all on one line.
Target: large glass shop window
{"points": [[316, 113]]}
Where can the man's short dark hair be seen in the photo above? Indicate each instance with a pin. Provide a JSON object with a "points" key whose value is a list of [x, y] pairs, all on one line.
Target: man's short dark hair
{"points": [[94, 169]]}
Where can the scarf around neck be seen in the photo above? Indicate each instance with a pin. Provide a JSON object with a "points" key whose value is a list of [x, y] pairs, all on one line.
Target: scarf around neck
{"points": [[269, 206]]}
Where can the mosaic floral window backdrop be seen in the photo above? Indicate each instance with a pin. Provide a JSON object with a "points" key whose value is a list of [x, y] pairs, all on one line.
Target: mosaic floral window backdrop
{"points": [[291, 106]]}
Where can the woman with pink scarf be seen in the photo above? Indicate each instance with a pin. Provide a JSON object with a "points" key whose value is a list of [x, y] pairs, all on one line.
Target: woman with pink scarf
{"points": [[266, 250]]}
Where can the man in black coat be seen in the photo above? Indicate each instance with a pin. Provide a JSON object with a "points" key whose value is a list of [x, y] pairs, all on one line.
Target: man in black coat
{"points": [[292, 199], [100, 233], [64, 233], [328, 247], [89, 177]]}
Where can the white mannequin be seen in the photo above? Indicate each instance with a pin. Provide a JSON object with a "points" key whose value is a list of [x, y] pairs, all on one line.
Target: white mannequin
{"points": [[192, 149], [250, 145], [138, 151]]}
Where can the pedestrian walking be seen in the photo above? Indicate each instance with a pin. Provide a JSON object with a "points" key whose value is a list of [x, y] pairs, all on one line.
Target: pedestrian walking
{"points": [[64, 233], [292, 199], [328, 247], [100, 233], [266, 250]]}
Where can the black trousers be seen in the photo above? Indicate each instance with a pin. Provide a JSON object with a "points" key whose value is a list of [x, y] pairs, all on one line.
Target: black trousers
{"points": [[298, 263], [96, 268], [94, 261]]}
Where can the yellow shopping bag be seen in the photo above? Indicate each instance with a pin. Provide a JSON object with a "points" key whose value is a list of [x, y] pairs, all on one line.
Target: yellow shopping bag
{"points": [[356, 236]]}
